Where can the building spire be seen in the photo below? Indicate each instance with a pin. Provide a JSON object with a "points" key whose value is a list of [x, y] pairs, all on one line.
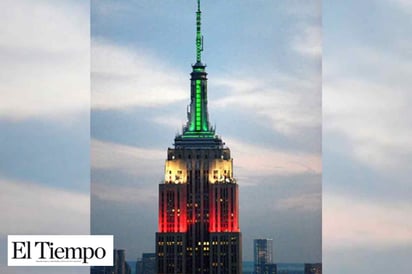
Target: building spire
{"points": [[198, 115], [199, 36]]}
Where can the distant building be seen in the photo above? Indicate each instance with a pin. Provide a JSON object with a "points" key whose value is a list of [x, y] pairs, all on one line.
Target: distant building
{"points": [[98, 270], [149, 263], [119, 261], [290, 268], [139, 266], [120, 266], [270, 269], [313, 268], [263, 255]]}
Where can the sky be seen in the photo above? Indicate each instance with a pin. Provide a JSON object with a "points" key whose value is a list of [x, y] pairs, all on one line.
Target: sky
{"points": [[264, 98], [44, 122], [366, 152]]}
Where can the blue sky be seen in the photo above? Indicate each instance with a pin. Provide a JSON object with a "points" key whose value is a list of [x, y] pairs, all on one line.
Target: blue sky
{"points": [[366, 151], [264, 97]]}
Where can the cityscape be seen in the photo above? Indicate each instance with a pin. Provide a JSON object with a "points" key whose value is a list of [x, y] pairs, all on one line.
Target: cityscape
{"points": [[263, 263], [198, 203]]}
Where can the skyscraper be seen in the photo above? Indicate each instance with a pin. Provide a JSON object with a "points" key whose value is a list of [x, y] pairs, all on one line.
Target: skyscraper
{"points": [[149, 263], [198, 200], [120, 266], [313, 268], [263, 253]]}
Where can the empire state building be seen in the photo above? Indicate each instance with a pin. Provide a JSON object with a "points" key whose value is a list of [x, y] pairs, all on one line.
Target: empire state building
{"points": [[198, 230]]}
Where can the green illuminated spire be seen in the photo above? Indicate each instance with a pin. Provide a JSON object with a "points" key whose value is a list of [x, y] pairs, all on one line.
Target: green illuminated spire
{"points": [[198, 116], [199, 37]]}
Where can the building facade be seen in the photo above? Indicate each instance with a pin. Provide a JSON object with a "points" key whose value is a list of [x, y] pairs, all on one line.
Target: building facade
{"points": [[263, 255], [147, 265], [198, 230], [120, 266], [313, 268]]}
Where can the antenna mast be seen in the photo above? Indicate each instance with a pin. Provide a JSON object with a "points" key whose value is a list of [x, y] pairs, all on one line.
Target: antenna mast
{"points": [[199, 36]]}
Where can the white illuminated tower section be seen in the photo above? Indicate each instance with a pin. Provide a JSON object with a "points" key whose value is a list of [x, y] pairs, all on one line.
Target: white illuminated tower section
{"points": [[198, 201]]}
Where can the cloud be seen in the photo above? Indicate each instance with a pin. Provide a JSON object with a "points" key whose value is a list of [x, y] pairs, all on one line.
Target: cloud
{"points": [[128, 159], [173, 120], [287, 104], [404, 5], [123, 77], [135, 195], [309, 42], [366, 209], [29, 208], [302, 9], [260, 161], [44, 52], [373, 113], [107, 8], [34, 209], [307, 202], [348, 222]]}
